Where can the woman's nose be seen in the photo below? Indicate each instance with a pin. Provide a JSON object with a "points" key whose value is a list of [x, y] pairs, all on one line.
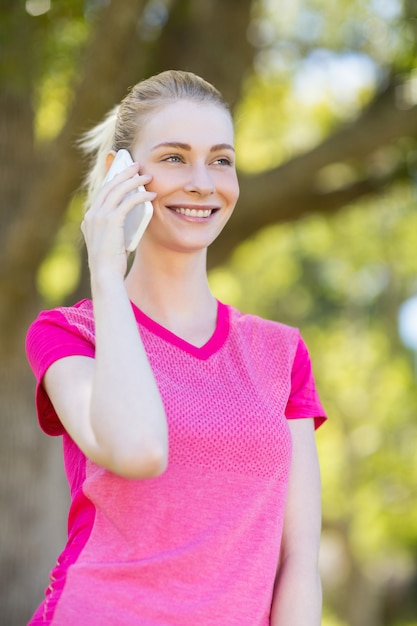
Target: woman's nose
{"points": [[200, 180]]}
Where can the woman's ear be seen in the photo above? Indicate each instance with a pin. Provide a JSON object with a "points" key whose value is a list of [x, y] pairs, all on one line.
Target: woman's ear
{"points": [[109, 159]]}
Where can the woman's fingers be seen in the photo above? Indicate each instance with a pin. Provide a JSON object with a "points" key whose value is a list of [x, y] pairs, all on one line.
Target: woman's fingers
{"points": [[127, 194], [103, 223], [125, 182]]}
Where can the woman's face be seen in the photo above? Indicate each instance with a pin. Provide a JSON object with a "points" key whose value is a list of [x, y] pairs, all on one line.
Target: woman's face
{"points": [[187, 148]]}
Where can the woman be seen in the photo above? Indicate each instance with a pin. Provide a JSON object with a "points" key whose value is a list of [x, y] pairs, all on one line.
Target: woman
{"points": [[177, 411]]}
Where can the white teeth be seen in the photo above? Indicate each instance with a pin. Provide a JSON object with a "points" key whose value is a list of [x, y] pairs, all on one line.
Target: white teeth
{"points": [[194, 212]]}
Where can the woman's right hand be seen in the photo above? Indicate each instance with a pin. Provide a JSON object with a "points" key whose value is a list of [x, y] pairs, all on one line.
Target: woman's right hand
{"points": [[103, 223]]}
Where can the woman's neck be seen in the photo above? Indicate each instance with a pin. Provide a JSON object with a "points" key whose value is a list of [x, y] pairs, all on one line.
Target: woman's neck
{"points": [[173, 290]]}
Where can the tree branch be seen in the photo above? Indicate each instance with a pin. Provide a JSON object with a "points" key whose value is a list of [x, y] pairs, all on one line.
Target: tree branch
{"points": [[290, 190]]}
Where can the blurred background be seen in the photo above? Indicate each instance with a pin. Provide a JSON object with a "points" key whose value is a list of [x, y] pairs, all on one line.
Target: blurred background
{"points": [[324, 237]]}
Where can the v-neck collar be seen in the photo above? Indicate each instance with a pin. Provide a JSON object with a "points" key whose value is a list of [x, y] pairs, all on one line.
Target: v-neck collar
{"points": [[201, 352]]}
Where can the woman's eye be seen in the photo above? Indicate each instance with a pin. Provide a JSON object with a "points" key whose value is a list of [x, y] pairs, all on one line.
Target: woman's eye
{"points": [[173, 158], [224, 161]]}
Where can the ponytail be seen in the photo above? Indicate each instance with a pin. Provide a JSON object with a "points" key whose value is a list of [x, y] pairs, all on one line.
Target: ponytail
{"points": [[96, 144]]}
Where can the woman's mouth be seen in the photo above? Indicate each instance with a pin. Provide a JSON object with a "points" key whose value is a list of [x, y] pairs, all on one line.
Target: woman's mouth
{"points": [[194, 212]]}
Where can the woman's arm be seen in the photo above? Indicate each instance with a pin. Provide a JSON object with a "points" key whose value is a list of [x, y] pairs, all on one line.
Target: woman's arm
{"points": [[111, 405], [297, 596]]}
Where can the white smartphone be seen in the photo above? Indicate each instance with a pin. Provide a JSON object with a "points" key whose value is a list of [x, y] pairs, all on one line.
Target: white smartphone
{"points": [[139, 217]]}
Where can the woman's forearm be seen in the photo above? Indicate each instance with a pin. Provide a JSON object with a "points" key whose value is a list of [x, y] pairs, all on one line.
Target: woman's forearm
{"points": [[126, 410], [297, 597]]}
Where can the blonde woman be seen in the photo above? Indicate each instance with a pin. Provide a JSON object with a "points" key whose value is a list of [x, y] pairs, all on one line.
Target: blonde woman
{"points": [[188, 427]]}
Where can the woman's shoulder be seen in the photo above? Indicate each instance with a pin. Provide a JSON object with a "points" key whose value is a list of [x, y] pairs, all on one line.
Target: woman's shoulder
{"points": [[83, 309], [77, 319], [80, 312], [254, 325]]}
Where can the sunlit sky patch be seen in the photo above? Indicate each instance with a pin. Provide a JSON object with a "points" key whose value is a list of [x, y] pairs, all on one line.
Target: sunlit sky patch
{"points": [[340, 76], [407, 323], [37, 7], [388, 9]]}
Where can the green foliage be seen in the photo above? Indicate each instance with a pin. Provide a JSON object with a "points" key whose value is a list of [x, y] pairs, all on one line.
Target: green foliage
{"points": [[318, 63], [61, 43], [379, 29], [273, 123], [329, 619], [59, 274]]}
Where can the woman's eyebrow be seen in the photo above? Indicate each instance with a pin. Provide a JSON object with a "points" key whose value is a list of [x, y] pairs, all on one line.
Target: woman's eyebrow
{"points": [[185, 146], [222, 146], [172, 144]]}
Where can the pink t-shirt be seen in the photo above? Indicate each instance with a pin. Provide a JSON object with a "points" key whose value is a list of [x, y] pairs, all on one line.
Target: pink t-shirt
{"points": [[200, 543]]}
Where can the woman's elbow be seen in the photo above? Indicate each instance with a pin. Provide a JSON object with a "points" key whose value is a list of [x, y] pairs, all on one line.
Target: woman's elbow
{"points": [[135, 462], [140, 466]]}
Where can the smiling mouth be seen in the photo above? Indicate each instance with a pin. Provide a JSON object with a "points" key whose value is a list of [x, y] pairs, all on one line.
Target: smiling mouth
{"points": [[195, 212]]}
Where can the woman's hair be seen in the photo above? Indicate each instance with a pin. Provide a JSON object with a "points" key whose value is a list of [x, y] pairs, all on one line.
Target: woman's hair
{"points": [[121, 126]]}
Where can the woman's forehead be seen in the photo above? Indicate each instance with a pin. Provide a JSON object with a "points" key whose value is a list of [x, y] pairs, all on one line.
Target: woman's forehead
{"points": [[188, 122]]}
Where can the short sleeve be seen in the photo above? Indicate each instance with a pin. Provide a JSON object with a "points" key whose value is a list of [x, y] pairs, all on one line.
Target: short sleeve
{"points": [[304, 400], [50, 338]]}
